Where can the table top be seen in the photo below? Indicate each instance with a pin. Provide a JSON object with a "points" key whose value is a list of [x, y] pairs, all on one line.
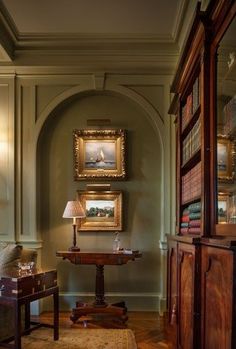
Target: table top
{"points": [[99, 257]]}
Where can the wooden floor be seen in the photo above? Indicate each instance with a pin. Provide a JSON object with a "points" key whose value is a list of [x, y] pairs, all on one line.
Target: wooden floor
{"points": [[148, 327]]}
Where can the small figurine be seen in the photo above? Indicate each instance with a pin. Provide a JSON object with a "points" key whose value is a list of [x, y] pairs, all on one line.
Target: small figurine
{"points": [[116, 242]]}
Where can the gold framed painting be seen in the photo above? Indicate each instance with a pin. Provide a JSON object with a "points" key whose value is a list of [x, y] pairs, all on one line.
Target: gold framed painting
{"points": [[224, 159], [223, 208], [99, 154], [103, 210]]}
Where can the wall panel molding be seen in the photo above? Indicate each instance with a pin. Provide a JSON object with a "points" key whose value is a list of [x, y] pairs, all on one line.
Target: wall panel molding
{"points": [[135, 301], [7, 156]]}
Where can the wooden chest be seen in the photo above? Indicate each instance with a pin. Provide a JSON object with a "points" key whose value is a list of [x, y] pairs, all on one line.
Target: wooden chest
{"points": [[18, 286]]}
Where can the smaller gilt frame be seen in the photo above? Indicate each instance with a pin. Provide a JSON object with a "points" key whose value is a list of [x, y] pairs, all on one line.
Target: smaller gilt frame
{"points": [[99, 154], [103, 210], [223, 208], [225, 152]]}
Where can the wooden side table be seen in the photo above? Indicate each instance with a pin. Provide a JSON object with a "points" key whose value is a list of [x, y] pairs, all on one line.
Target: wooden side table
{"points": [[22, 289], [99, 259]]}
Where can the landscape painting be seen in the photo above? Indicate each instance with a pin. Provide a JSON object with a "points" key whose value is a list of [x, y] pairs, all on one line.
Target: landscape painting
{"points": [[100, 210], [103, 210]]}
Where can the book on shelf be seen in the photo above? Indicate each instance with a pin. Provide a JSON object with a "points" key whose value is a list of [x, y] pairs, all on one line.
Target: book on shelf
{"points": [[191, 184], [186, 149], [194, 230], [184, 116], [185, 218], [190, 220], [196, 95], [186, 187], [189, 106], [196, 181], [186, 111], [186, 212], [196, 137], [195, 207], [184, 231], [192, 142], [194, 215], [194, 223]]}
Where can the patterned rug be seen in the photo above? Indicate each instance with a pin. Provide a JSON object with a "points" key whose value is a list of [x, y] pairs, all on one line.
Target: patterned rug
{"points": [[80, 339]]}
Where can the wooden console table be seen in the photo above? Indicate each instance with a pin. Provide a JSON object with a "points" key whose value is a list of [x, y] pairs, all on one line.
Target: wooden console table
{"points": [[99, 259], [21, 289]]}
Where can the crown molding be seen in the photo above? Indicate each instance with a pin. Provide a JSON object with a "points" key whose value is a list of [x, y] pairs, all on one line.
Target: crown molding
{"points": [[180, 18], [101, 44], [8, 21], [4, 56], [24, 38], [7, 42], [97, 59], [23, 47], [135, 68]]}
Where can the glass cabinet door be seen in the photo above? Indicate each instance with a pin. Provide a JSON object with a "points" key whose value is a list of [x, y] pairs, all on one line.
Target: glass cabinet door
{"points": [[226, 127]]}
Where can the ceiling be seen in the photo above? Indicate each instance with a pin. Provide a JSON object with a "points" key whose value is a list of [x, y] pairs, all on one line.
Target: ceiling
{"points": [[93, 16], [147, 28]]}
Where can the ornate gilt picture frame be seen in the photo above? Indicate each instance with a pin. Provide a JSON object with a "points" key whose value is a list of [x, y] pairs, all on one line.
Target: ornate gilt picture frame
{"points": [[103, 210], [223, 208], [224, 159], [99, 154]]}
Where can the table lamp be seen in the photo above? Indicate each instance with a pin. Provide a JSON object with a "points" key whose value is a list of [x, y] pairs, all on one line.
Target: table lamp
{"points": [[74, 210]]}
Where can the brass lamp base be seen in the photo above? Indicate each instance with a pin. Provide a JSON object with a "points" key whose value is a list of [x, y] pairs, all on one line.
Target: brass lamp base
{"points": [[74, 248]]}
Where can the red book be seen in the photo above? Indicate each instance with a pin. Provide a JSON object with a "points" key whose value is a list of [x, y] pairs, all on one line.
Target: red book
{"points": [[194, 230], [184, 231], [195, 223], [185, 219]]}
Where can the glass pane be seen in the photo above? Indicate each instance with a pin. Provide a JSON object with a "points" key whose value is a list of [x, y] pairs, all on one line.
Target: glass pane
{"points": [[226, 127]]}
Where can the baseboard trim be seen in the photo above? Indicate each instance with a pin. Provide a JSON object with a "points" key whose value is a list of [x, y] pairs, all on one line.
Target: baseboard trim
{"points": [[147, 301]]}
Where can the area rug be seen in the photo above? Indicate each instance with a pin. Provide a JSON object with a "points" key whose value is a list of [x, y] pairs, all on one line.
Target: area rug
{"points": [[80, 339]]}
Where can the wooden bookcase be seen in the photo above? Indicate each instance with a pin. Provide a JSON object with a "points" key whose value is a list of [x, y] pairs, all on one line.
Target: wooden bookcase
{"points": [[202, 253], [190, 161]]}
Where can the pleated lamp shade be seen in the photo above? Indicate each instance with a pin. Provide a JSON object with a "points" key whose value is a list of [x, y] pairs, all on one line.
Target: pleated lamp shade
{"points": [[74, 209]]}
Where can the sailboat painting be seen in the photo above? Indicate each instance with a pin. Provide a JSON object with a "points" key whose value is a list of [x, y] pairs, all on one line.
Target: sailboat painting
{"points": [[100, 155]]}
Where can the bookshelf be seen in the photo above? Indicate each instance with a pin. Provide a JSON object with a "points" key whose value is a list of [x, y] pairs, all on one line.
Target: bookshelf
{"points": [[190, 158], [201, 257]]}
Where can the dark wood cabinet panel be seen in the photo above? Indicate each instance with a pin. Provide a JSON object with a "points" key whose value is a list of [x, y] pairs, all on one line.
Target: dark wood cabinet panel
{"points": [[217, 297], [188, 260], [183, 293], [172, 281], [186, 296]]}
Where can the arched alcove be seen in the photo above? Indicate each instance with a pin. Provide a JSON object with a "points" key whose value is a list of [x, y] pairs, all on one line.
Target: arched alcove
{"points": [[142, 195]]}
